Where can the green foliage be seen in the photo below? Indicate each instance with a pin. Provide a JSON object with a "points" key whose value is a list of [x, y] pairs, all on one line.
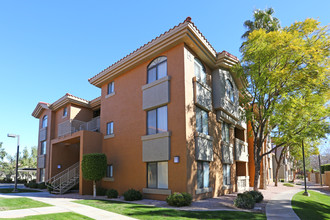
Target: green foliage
{"points": [[288, 184], [33, 184], [112, 193], [94, 166], [282, 180], [244, 201], [325, 167], [257, 196], [132, 195], [179, 199], [42, 185], [100, 191]]}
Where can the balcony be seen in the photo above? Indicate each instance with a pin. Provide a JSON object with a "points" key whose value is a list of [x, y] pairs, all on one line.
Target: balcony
{"points": [[204, 147], [43, 134], [243, 183], [156, 147], [227, 153], [202, 95], [72, 126], [241, 149], [156, 94], [42, 161]]}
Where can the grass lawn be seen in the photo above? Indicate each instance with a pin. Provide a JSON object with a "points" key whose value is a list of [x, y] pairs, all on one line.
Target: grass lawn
{"points": [[56, 216], [288, 184], [19, 203], [149, 212], [316, 206], [10, 190]]}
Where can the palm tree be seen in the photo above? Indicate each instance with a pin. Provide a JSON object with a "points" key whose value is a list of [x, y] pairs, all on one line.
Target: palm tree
{"points": [[262, 19]]}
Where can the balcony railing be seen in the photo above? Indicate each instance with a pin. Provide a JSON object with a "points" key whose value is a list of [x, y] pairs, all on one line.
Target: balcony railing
{"points": [[241, 118], [72, 126], [241, 149], [243, 183], [42, 161]]}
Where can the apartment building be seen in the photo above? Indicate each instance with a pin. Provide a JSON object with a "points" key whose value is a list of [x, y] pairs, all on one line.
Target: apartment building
{"points": [[168, 119]]}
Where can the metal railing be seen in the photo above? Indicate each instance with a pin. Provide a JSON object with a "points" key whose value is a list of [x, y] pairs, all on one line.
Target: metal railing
{"points": [[243, 183], [72, 126], [241, 149], [64, 180]]}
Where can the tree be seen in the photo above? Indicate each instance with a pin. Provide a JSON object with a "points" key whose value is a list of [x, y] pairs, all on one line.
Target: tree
{"points": [[94, 167], [262, 19], [279, 65]]}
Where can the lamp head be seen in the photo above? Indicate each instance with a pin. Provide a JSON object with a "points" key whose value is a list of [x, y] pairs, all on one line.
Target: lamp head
{"points": [[11, 135]]}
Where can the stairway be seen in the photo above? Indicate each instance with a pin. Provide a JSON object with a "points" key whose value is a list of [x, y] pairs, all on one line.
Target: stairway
{"points": [[65, 180]]}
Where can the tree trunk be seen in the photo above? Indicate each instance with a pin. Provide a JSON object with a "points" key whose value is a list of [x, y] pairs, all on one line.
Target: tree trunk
{"points": [[276, 174], [94, 188], [256, 174]]}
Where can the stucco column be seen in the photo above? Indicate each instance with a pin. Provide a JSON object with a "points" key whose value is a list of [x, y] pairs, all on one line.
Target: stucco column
{"points": [[233, 166]]}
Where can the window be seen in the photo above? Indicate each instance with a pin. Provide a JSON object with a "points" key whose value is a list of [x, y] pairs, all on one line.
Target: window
{"points": [[225, 132], [110, 128], [230, 90], [157, 173], [203, 173], [65, 112], [44, 121], [43, 147], [109, 171], [157, 120], [111, 88], [157, 69], [270, 173], [200, 72], [42, 175], [202, 121], [226, 174]]}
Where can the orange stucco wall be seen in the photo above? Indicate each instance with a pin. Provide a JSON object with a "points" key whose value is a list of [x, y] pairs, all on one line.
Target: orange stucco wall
{"points": [[124, 150]]}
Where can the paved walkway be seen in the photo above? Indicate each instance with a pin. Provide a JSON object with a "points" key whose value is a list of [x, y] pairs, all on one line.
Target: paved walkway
{"points": [[59, 205]]}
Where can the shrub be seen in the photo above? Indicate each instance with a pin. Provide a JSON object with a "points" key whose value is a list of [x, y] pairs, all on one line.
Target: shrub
{"points": [[245, 201], [112, 193], [288, 184], [42, 185], [179, 199], [50, 189], [257, 196], [100, 191], [325, 167], [282, 180], [33, 184], [132, 195]]}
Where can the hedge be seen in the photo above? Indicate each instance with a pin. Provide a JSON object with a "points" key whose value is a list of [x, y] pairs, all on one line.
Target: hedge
{"points": [[325, 167], [94, 166]]}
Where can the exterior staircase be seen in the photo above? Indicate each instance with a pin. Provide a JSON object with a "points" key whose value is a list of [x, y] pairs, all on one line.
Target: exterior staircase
{"points": [[65, 180]]}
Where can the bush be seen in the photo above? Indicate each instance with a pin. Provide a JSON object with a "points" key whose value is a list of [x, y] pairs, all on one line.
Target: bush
{"points": [[50, 189], [179, 199], [33, 184], [100, 191], [282, 180], [42, 185], [325, 167], [257, 196], [245, 201], [112, 193], [132, 195], [94, 166]]}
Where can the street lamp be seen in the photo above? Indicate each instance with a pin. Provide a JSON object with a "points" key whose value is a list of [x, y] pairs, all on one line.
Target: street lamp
{"points": [[14, 136], [303, 152]]}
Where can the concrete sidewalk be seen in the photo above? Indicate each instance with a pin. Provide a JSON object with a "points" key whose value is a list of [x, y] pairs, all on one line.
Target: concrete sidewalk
{"points": [[280, 207], [59, 205]]}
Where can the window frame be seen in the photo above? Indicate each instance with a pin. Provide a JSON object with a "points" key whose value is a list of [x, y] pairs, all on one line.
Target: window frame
{"points": [[109, 173], [228, 174], [155, 64], [225, 129], [204, 185], [230, 90], [201, 113], [111, 87], [42, 175], [203, 75], [157, 120], [43, 147], [157, 175], [44, 122], [65, 112], [110, 130]]}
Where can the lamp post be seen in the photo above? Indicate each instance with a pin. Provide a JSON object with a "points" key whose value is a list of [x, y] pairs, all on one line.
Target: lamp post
{"points": [[14, 136], [303, 151]]}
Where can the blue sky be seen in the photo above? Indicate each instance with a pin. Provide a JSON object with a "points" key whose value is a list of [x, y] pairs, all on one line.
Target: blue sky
{"points": [[49, 48]]}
